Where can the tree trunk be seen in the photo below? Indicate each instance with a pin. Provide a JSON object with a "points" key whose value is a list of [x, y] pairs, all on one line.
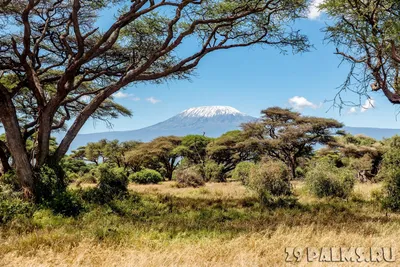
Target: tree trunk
{"points": [[5, 165], [82, 118], [292, 166], [16, 144]]}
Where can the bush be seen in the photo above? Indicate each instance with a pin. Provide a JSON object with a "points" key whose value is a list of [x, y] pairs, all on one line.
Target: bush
{"points": [[10, 179], [67, 203], [242, 171], [112, 184], [213, 172], [89, 177], [49, 183], [269, 180], [326, 180], [391, 191], [146, 176], [12, 205], [189, 178]]}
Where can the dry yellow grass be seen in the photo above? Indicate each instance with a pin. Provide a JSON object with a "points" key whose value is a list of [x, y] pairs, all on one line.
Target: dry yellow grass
{"points": [[258, 245], [233, 190]]}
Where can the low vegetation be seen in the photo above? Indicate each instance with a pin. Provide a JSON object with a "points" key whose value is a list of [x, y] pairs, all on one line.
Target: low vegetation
{"points": [[201, 195]]}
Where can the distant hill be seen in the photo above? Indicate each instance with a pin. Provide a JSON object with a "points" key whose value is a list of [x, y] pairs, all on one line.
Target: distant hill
{"points": [[377, 133], [212, 121]]}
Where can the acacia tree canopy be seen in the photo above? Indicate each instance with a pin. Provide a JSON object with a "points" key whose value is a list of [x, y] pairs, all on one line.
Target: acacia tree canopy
{"points": [[286, 135], [57, 55]]}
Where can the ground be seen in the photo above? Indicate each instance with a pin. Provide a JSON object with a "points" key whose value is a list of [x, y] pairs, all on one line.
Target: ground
{"points": [[220, 224]]}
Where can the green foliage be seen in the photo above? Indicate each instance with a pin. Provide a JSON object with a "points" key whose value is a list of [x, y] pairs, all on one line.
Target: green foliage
{"points": [[112, 185], [326, 180], [268, 180], [194, 148], [287, 136], [49, 183], [230, 149], [146, 176], [67, 203], [242, 171], [189, 177], [391, 191], [12, 205], [10, 179], [391, 159], [214, 172]]}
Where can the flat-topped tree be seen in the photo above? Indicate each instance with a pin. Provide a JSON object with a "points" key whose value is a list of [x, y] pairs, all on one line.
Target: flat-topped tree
{"points": [[57, 43], [366, 34], [287, 136]]}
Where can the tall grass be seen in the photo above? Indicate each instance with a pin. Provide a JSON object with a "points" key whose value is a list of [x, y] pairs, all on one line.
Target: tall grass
{"points": [[220, 224]]}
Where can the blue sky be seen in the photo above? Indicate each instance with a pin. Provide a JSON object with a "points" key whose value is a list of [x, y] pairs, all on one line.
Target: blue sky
{"points": [[252, 79]]}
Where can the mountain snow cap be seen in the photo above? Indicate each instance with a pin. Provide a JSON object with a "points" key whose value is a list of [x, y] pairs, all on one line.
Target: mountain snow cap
{"points": [[211, 111]]}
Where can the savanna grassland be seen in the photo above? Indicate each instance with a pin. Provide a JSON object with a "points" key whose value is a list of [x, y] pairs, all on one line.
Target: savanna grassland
{"points": [[220, 224]]}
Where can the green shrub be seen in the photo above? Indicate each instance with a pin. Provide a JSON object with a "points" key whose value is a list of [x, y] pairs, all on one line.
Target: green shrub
{"points": [[391, 191], [242, 171], [214, 172], [189, 177], [12, 205], [391, 161], [112, 185], [146, 176], [10, 179], [269, 180], [49, 183], [89, 177], [67, 203], [326, 180]]}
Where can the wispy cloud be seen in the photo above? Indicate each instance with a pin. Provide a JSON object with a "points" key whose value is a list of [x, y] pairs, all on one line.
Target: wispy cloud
{"points": [[122, 95], [299, 103], [369, 103], [313, 11], [352, 110], [153, 100]]}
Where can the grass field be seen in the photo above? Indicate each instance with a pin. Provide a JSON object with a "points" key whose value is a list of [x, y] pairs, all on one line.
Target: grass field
{"points": [[220, 224]]}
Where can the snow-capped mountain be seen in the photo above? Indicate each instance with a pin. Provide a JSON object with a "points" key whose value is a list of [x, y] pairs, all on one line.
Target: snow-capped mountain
{"points": [[210, 111], [212, 121]]}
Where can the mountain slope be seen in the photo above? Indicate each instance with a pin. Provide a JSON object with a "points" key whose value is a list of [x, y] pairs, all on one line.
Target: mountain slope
{"points": [[212, 121]]}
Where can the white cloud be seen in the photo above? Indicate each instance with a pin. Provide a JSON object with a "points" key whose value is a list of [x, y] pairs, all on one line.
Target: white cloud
{"points": [[369, 103], [352, 110], [313, 11], [153, 100], [122, 95], [299, 103]]}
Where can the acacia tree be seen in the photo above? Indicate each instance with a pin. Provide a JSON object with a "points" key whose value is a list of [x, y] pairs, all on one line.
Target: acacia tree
{"points": [[230, 149], [287, 136], [366, 33], [56, 44], [160, 154]]}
